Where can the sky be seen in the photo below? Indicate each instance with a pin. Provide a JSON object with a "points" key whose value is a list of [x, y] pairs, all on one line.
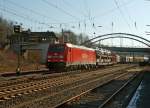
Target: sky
{"points": [[90, 17]]}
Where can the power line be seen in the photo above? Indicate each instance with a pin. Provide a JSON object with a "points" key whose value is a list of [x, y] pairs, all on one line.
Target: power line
{"points": [[26, 17], [89, 15], [43, 23], [30, 10], [12, 12], [70, 5], [37, 13], [76, 10], [129, 15], [122, 14], [60, 9], [113, 9]]}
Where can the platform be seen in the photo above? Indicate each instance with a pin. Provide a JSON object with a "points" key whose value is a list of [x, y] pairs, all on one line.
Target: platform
{"points": [[141, 98]]}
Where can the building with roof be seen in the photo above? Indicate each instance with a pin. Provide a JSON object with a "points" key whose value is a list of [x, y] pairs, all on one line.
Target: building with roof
{"points": [[32, 42]]}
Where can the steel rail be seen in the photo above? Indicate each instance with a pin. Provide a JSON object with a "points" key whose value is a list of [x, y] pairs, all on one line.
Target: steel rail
{"points": [[18, 89], [117, 92]]}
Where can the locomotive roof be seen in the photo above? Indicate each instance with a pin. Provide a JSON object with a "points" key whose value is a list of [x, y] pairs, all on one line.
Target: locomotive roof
{"points": [[81, 47]]}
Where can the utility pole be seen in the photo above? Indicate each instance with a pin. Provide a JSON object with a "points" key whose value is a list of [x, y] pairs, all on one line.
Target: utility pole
{"points": [[147, 32], [62, 31], [19, 50], [94, 35], [112, 24], [99, 44]]}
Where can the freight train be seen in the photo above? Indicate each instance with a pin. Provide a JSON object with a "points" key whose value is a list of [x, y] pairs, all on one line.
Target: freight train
{"points": [[69, 56]]}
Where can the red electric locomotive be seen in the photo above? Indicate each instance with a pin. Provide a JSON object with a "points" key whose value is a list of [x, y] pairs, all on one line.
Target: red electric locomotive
{"points": [[62, 56]]}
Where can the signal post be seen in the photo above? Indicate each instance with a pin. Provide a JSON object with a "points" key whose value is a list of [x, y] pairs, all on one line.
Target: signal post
{"points": [[17, 31]]}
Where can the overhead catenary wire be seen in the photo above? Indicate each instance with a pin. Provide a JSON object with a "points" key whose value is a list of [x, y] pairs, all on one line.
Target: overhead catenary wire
{"points": [[89, 15], [130, 17], [122, 14], [30, 10], [60, 9], [35, 12], [12, 12], [113, 9], [38, 13], [76, 10], [79, 22], [25, 17], [71, 6]]}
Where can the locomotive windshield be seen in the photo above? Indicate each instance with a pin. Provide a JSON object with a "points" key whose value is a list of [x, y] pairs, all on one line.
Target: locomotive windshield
{"points": [[56, 48]]}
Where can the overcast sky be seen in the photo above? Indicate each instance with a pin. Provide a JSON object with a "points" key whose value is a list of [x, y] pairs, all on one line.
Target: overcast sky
{"points": [[81, 16]]}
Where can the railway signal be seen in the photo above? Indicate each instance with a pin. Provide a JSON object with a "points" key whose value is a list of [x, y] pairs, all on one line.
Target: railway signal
{"points": [[17, 28]]}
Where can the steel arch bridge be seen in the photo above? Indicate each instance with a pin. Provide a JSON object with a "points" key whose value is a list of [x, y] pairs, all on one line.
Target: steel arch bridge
{"points": [[121, 37], [117, 35]]}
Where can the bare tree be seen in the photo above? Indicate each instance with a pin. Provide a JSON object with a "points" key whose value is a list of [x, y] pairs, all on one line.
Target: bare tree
{"points": [[5, 30]]}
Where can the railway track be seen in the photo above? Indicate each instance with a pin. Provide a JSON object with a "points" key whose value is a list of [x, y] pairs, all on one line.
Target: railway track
{"points": [[46, 82], [53, 87], [110, 100], [102, 96], [39, 77], [27, 79]]}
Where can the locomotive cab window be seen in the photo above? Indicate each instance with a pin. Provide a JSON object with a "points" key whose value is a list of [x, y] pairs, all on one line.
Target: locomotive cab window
{"points": [[56, 48]]}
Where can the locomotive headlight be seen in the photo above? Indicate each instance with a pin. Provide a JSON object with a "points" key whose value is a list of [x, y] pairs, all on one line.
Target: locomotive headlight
{"points": [[61, 56], [49, 56]]}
